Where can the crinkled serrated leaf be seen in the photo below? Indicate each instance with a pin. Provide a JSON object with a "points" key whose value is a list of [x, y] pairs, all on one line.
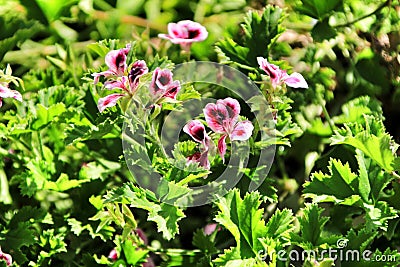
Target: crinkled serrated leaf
{"points": [[133, 254], [188, 92], [27, 214], [165, 216], [244, 220], [341, 183], [355, 109], [371, 138], [280, 224], [261, 31], [311, 227], [360, 240], [228, 257], [204, 242], [109, 128], [45, 115], [20, 236], [377, 215]]}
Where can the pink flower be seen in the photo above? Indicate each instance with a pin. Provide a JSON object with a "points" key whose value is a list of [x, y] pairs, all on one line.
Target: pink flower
{"points": [[128, 84], [197, 131], [162, 84], [5, 92], [6, 257], [210, 228], [113, 255], [116, 62], [222, 117], [185, 32], [279, 76]]}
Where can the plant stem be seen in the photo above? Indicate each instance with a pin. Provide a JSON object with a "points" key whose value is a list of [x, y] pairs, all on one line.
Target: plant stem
{"points": [[387, 3], [326, 113], [40, 144]]}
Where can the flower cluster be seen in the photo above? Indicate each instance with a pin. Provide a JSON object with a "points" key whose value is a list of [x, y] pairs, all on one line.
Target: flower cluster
{"points": [[222, 117], [278, 76], [120, 76], [185, 33]]}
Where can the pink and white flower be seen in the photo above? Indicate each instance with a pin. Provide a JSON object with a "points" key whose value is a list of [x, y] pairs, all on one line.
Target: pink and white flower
{"points": [[222, 118], [278, 76], [128, 84], [185, 32], [113, 255], [5, 92], [198, 132], [6, 257], [163, 85], [116, 62]]}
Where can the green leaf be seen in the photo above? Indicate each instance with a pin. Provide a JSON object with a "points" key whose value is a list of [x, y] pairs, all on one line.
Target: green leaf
{"points": [[204, 242], [371, 139], [261, 32], [341, 183], [311, 228], [280, 225], [360, 240], [45, 115], [63, 183], [52, 8], [323, 31], [355, 109], [19, 32], [165, 216], [318, 9], [244, 220], [133, 254], [20, 236], [188, 92]]}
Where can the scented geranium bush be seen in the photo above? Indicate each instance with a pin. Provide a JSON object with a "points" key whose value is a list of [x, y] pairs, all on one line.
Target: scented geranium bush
{"points": [[268, 142]]}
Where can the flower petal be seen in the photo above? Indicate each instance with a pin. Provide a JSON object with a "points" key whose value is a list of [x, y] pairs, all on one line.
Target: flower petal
{"points": [[6, 257], [139, 68], [222, 147], [116, 61], [5, 92], [196, 130], [185, 32], [232, 106], [108, 101], [119, 83], [172, 90], [201, 158], [160, 81], [215, 115], [272, 71], [242, 131], [296, 80], [97, 75]]}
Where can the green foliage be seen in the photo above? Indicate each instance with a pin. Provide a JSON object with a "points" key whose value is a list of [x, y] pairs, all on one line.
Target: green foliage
{"points": [[260, 33], [67, 194]]}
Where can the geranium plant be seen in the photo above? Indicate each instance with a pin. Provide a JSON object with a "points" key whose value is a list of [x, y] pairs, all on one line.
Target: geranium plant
{"points": [[168, 134]]}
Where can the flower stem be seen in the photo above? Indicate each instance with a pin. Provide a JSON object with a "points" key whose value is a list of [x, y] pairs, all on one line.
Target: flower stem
{"points": [[326, 113]]}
